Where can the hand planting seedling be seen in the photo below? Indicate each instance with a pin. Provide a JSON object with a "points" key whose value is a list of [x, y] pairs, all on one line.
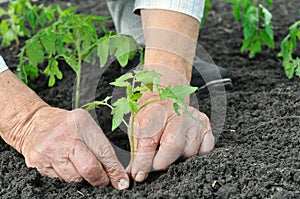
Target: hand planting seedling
{"points": [[19, 13], [136, 84], [256, 23], [73, 38], [291, 65]]}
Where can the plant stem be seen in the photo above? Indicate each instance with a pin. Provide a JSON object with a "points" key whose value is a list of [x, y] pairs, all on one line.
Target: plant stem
{"points": [[131, 135], [78, 72]]}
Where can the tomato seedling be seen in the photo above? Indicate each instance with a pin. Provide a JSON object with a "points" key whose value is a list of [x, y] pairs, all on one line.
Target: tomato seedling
{"points": [[73, 38], [136, 84], [291, 64], [17, 14], [256, 22]]}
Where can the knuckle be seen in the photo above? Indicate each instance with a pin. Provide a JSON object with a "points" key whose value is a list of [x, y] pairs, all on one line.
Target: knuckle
{"points": [[106, 151]]}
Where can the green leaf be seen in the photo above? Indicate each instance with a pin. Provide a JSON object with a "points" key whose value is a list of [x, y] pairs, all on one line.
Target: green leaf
{"points": [[129, 90], [34, 51], [31, 71], [266, 14], [266, 38], [121, 81], [53, 71], [269, 3], [103, 50], [48, 40], [72, 62], [237, 9], [140, 89], [147, 77], [177, 92], [32, 19], [176, 108], [134, 106], [121, 108], [250, 21], [136, 96]]}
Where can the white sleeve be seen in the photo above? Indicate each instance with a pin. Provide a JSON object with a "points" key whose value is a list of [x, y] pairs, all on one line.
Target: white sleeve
{"points": [[3, 66], [194, 8]]}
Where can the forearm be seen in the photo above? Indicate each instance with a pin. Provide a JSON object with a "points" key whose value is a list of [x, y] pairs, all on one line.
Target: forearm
{"points": [[18, 103], [171, 39]]}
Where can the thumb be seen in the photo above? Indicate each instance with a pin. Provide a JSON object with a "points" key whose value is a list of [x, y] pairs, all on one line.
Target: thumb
{"points": [[148, 128]]}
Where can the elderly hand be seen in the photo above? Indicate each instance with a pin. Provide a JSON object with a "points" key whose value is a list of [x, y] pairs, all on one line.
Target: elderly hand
{"points": [[70, 145], [59, 143], [158, 127]]}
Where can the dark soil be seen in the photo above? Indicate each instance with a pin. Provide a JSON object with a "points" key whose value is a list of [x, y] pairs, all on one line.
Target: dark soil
{"points": [[257, 155]]}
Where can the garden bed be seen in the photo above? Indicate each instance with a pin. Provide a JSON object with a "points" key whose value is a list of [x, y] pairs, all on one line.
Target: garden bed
{"points": [[258, 152]]}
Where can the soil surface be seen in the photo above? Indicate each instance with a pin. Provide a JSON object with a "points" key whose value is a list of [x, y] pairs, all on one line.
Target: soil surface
{"points": [[258, 152]]}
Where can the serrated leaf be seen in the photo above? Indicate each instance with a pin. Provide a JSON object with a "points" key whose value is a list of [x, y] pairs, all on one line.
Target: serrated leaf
{"points": [[34, 51], [53, 72], [121, 108], [296, 62], [43, 19], [136, 96], [140, 89], [48, 40], [250, 21], [177, 92], [32, 19], [31, 71], [103, 50], [266, 38], [121, 81], [72, 62], [266, 15], [147, 77]]}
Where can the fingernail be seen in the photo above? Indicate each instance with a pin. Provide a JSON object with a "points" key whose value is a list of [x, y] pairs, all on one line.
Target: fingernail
{"points": [[140, 176], [123, 184]]}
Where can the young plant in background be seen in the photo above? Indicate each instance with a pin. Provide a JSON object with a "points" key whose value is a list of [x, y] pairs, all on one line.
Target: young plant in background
{"points": [[136, 84], [256, 23], [17, 14], [207, 6], [291, 64], [73, 38]]}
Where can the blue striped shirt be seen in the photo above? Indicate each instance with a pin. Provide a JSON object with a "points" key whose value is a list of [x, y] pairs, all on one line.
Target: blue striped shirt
{"points": [[3, 66], [192, 8]]}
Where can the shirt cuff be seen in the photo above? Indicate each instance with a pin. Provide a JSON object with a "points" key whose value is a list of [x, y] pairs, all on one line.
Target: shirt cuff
{"points": [[3, 66], [193, 8]]}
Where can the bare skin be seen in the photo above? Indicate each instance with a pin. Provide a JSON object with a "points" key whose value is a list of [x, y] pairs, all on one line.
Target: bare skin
{"points": [[161, 136], [69, 144], [65, 144]]}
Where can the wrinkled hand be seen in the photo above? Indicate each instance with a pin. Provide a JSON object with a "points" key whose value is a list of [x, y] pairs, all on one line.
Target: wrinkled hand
{"points": [[70, 145], [157, 126]]}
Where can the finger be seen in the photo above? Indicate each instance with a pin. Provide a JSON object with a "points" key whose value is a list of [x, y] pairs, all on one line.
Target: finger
{"points": [[195, 134], [66, 171], [88, 166], [208, 142], [99, 145], [171, 144], [41, 163], [48, 171], [148, 127]]}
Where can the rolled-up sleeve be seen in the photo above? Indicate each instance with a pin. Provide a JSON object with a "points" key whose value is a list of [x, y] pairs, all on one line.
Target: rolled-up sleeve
{"points": [[192, 8], [3, 66]]}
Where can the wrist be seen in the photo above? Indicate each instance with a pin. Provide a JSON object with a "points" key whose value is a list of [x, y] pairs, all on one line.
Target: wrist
{"points": [[18, 106]]}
